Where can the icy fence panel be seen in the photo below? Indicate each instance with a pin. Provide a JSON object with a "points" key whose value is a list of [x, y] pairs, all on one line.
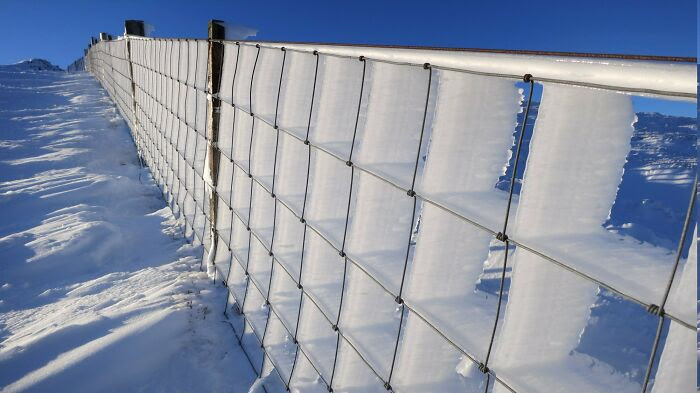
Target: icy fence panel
{"points": [[166, 111], [364, 242], [678, 364], [574, 180]]}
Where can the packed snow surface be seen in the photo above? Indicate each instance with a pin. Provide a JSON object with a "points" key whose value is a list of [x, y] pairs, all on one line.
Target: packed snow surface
{"points": [[98, 290]]}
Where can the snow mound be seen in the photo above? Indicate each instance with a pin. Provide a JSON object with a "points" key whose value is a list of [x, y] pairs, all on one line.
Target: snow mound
{"points": [[31, 65]]}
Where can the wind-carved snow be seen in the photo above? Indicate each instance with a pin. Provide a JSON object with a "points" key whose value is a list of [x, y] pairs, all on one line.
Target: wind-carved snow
{"points": [[471, 136], [98, 290], [579, 146]]}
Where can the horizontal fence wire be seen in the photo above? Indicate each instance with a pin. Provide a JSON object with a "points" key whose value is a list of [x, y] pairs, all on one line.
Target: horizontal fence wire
{"points": [[151, 115]]}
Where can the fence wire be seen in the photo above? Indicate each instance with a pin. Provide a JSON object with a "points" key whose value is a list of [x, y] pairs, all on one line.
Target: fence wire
{"points": [[160, 88]]}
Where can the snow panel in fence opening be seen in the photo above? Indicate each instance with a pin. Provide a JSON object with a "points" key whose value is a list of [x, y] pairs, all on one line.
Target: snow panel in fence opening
{"points": [[677, 370], [604, 120], [296, 91], [280, 348], [317, 338], [289, 238], [305, 377], [425, 360], [339, 84], [471, 140], [285, 297], [391, 120], [381, 219], [370, 320], [266, 83], [244, 74], [569, 186], [328, 195], [322, 274]]}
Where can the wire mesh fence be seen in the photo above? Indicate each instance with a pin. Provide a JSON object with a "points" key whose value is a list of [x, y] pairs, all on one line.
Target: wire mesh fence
{"points": [[348, 204]]}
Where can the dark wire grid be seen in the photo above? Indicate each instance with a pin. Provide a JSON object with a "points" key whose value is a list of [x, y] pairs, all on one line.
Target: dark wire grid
{"points": [[472, 222], [118, 98]]}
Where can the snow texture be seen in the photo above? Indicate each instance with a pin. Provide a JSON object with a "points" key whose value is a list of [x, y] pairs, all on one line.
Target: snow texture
{"points": [[99, 292]]}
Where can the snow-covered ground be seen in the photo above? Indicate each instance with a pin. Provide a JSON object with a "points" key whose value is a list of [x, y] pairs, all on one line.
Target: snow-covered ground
{"points": [[98, 289]]}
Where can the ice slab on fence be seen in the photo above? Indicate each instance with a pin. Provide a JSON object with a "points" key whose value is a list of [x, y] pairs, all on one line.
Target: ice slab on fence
{"points": [[285, 297], [317, 338], [375, 337], [289, 238], [305, 377], [441, 282], [352, 374], [241, 88], [578, 151], [579, 146], [297, 89], [242, 192], [682, 301], [426, 360], [472, 134], [260, 265], [390, 129], [228, 72], [223, 223], [201, 53], [329, 191], [242, 138], [677, 370], [380, 228], [266, 83], [291, 173], [322, 275], [280, 346], [225, 141], [264, 153], [339, 85]]}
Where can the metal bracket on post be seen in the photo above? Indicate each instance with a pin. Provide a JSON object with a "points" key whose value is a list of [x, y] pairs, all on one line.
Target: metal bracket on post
{"points": [[215, 61], [133, 27]]}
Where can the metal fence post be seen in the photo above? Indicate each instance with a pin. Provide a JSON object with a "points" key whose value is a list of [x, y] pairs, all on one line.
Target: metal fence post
{"points": [[215, 61]]}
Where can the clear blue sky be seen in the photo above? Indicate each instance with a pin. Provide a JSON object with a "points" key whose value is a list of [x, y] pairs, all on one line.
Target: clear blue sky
{"points": [[60, 30]]}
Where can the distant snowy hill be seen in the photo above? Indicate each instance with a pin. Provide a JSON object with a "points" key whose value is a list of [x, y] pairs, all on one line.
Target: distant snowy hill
{"points": [[31, 65]]}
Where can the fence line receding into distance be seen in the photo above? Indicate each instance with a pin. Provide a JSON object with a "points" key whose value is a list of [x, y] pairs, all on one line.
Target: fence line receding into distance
{"points": [[346, 197]]}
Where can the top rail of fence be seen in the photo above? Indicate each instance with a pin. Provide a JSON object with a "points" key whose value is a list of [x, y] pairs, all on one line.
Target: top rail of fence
{"points": [[663, 76]]}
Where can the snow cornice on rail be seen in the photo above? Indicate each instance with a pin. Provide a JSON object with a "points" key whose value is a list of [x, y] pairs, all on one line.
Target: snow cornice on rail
{"points": [[662, 76]]}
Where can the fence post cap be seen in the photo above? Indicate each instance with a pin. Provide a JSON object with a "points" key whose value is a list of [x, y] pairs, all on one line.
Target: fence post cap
{"points": [[217, 31], [134, 27]]}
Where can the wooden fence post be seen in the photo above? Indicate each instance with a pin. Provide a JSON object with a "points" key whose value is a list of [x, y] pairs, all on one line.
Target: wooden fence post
{"points": [[134, 28], [214, 67]]}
